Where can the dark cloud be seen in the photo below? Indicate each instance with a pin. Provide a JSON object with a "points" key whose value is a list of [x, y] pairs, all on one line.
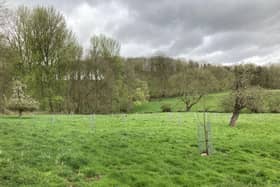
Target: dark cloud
{"points": [[215, 30]]}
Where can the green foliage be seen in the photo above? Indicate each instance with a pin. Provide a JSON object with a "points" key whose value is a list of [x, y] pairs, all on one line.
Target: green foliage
{"points": [[105, 47], [58, 103], [42, 43], [7, 60], [141, 94], [245, 94], [122, 101], [253, 100], [227, 103], [148, 150], [97, 84], [216, 102], [19, 101], [193, 84], [165, 107], [274, 104]]}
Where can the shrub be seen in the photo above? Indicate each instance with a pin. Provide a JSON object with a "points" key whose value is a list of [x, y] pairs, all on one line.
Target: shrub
{"points": [[255, 101], [274, 105], [165, 108]]}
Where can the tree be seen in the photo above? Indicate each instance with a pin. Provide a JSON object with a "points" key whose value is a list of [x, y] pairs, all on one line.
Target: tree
{"points": [[243, 93], [193, 84], [6, 59], [97, 81], [19, 101], [104, 66], [161, 70], [41, 39], [103, 46], [141, 94], [72, 78], [274, 76], [6, 71]]}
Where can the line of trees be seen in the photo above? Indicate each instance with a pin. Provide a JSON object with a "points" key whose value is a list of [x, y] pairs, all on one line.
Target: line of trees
{"points": [[37, 49]]}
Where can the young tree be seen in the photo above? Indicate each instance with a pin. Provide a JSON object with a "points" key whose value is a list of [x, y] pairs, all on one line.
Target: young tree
{"points": [[21, 102]]}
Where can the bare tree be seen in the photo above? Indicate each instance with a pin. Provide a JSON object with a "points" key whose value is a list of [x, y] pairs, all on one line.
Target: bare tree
{"points": [[193, 84]]}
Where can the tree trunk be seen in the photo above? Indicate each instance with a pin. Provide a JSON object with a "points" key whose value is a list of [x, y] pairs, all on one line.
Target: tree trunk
{"points": [[51, 105], [20, 113], [188, 108], [234, 118], [190, 104]]}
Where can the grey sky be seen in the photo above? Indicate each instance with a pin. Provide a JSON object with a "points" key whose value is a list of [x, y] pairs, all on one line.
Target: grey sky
{"points": [[218, 31]]}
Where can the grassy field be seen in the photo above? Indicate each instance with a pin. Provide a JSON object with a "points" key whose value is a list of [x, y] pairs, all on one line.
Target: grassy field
{"points": [[212, 102], [138, 150]]}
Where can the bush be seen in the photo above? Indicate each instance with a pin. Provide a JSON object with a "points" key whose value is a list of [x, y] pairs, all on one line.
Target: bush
{"points": [[255, 100], [256, 107], [165, 108], [274, 105]]}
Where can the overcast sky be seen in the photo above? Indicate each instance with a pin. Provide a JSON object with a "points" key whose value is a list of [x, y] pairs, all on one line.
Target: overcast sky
{"points": [[216, 31]]}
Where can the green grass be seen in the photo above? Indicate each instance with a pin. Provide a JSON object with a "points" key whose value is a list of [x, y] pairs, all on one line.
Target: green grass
{"points": [[138, 150], [212, 102]]}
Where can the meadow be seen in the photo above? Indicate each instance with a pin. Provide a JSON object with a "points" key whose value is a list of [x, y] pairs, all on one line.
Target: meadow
{"points": [[138, 150], [212, 102]]}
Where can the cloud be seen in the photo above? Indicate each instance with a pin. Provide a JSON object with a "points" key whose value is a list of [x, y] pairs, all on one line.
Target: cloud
{"points": [[216, 31], [86, 20]]}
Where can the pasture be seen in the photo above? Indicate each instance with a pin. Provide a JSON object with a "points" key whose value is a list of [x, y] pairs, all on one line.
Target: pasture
{"points": [[138, 150], [212, 102]]}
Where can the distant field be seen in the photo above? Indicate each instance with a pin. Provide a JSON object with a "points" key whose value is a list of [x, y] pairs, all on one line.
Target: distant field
{"points": [[211, 101], [138, 150]]}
